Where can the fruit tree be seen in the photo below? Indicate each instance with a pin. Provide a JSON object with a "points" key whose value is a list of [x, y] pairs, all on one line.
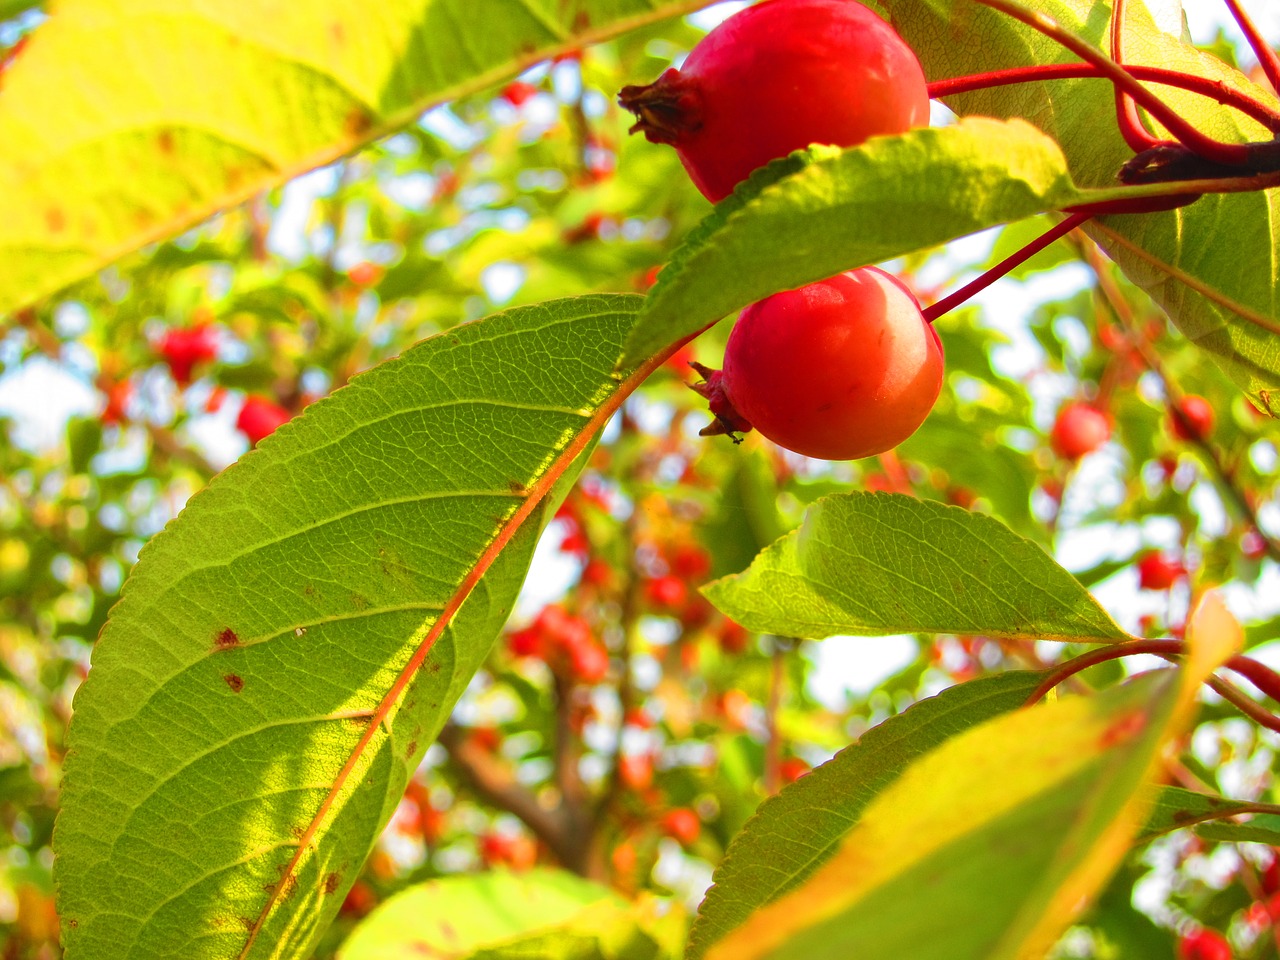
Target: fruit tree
{"points": [[617, 479]]}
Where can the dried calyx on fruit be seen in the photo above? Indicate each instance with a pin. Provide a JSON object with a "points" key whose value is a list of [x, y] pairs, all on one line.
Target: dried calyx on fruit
{"points": [[839, 369], [775, 78]]}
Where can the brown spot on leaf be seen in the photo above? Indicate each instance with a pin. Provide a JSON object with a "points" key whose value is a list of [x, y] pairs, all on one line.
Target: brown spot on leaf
{"points": [[411, 748], [357, 122], [359, 601], [246, 922], [297, 832], [164, 141], [338, 32], [55, 220], [518, 488], [331, 882], [227, 638], [581, 22], [234, 682]]}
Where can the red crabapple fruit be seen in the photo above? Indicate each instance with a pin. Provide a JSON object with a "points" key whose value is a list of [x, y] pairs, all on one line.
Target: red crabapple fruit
{"points": [[840, 369], [777, 77], [1196, 420], [1079, 429]]}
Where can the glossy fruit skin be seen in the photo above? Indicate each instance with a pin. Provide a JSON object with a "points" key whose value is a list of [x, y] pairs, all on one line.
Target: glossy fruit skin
{"points": [[777, 77], [1079, 429], [1158, 572], [840, 369], [184, 347], [1196, 422], [1204, 945]]}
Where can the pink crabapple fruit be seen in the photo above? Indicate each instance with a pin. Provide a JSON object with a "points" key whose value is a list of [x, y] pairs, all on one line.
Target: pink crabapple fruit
{"points": [[840, 369], [777, 77]]}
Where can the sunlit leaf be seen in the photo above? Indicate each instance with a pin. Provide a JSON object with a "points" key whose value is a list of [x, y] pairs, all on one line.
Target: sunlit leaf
{"points": [[797, 831], [878, 564], [272, 674], [548, 914], [989, 846], [127, 122]]}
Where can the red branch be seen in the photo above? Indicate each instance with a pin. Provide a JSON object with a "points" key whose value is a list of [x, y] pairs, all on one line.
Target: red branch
{"points": [[1215, 90]]}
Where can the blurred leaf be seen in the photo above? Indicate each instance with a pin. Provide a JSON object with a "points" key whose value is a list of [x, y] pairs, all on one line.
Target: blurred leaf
{"points": [[271, 676], [798, 830], [878, 564], [548, 914], [988, 846], [84, 440], [127, 122], [746, 517]]}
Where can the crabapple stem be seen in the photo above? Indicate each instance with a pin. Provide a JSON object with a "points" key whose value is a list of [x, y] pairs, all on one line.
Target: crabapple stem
{"points": [[1115, 651], [1230, 154], [953, 300], [1267, 58], [1215, 90], [1261, 676], [1135, 134]]}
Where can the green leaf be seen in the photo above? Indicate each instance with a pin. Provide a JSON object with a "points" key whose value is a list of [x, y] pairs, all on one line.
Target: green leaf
{"points": [[127, 122], [1173, 808], [842, 209], [874, 564], [1210, 265], [798, 830], [1261, 829], [549, 914], [987, 847], [272, 674]]}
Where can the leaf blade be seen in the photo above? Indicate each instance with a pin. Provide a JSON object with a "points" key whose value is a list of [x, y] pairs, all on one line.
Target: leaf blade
{"points": [[271, 676]]}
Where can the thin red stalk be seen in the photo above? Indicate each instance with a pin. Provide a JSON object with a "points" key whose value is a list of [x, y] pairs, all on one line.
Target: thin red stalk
{"points": [[1215, 90], [1230, 154], [1261, 676], [953, 300], [1267, 58], [508, 530], [1113, 652], [1135, 134], [1244, 704]]}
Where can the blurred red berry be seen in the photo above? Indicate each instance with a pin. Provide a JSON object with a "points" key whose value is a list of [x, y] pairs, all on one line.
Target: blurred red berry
{"points": [[588, 662], [682, 825], [184, 347], [1253, 545], [733, 637], [359, 901], [667, 591], [505, 850], [597, 573], [365, 274], [638, 717], [691, 561], [1196, 422], [1204, 945], [1157, 571], [792, 769], [1079, 429], [518, 92], [118, 396], [259, 418], [635, 771]]}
